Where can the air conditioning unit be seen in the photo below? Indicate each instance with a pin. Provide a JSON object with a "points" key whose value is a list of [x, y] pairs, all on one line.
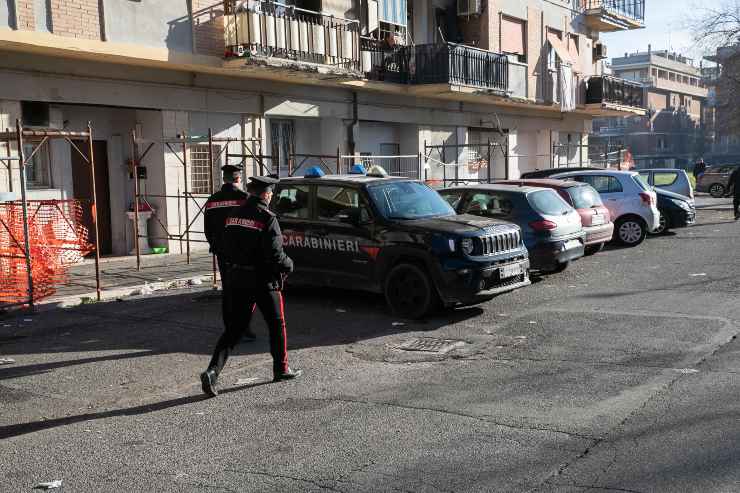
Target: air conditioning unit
{"points": [[599, 51], [468, 7]]}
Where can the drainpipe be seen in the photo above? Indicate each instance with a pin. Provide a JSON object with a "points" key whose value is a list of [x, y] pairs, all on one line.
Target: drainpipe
{"points": [[353, 130]]}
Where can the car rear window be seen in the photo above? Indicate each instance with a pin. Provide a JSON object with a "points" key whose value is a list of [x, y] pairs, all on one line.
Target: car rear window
{"points": [[665, 178], [584, 197], [641, 182], [548, 202]]}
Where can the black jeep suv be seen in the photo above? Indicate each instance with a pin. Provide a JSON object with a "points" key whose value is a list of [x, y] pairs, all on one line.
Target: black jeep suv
{"points": [[398, 237]]}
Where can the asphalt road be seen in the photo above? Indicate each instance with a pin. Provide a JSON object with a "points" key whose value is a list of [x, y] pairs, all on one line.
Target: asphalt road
{"points": [[620, 374]]}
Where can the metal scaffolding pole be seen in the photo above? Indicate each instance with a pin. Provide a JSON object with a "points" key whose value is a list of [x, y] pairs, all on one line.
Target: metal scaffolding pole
{"points": [[94, 210], [24, 206]]}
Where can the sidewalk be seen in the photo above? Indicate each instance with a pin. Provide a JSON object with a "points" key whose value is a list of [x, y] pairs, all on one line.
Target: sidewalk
{"points": [[119, 277]]}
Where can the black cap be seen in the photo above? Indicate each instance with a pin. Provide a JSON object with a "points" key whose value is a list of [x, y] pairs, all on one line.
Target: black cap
{"points": [[262, 183], [231, 168]]}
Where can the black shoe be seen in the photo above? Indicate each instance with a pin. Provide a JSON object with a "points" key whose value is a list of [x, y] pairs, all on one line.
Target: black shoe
{"points": [[290, 374], [208, 382]]}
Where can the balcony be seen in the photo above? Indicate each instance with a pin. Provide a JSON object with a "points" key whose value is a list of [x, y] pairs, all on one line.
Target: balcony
{"points": [[614, 15], [607, 94], [279, 35], [445, 64]]}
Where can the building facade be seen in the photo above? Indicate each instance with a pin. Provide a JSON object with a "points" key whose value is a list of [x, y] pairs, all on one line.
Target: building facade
{"points": [[435, 89], [672, 132]]}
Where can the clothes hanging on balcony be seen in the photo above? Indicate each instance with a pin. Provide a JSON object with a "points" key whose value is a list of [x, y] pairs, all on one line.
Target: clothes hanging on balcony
{"points": [[392, 11], [567, 88]]}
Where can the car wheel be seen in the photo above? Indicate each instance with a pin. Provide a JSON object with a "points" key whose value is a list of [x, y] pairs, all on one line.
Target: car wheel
{"points": [[409, 291], [630, 231], [717, 190], [663, 224], [593, 249]]}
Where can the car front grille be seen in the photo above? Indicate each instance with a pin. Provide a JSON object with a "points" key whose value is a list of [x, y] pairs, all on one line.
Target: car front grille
{"points": [[500, 242]]}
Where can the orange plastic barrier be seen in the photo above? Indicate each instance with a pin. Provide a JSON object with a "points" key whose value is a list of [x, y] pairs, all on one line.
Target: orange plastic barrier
{"points": [[57, 240]]}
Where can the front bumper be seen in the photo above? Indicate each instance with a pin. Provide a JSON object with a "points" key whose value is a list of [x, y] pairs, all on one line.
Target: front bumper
{"points": [[475, 283], [599, 234], [681, 218], [547, 255]]}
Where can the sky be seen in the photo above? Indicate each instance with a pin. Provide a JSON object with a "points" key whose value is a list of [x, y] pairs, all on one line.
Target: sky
{"points": [[665, 28]]}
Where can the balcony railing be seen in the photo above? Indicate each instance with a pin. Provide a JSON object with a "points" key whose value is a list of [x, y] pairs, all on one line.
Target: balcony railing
{"points": [[271, 29], [632, 9], [606, 89], [446, 63]]}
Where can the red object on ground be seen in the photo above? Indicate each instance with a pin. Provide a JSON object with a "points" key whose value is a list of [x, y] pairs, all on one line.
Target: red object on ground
{"points": [[57, 240]]}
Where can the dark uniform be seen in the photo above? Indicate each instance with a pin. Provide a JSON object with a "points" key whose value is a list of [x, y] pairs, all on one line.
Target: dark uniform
{"points": [[257, 265], [734, 182], [217, 209]]}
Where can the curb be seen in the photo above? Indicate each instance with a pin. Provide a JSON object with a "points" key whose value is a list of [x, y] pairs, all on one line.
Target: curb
{"points": [[115, 294]]}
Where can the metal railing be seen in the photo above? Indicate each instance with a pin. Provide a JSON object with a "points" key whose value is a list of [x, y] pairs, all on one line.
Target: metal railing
{"points": [[607, 89], [446, 63], [273, 29], [633, 9]]}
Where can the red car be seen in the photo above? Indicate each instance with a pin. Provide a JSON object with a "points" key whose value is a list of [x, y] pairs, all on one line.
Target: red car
{"points": [[595, 217]]}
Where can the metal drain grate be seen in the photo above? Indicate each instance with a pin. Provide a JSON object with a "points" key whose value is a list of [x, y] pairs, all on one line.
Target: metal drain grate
{"points": [[430, 345]]}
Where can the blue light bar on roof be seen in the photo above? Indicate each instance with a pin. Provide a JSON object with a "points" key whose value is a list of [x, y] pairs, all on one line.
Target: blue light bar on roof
{"points": [[314, 172], [357, 169]]}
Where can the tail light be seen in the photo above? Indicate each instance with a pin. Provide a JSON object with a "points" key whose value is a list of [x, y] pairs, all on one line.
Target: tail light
{"points": [[647, 198], [543, 225]]}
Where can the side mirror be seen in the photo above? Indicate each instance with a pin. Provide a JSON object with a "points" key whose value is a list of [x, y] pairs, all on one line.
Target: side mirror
{"points": [[350, 216]]}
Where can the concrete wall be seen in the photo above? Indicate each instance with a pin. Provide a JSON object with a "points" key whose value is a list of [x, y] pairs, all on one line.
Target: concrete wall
{"points": [[152, 23]]}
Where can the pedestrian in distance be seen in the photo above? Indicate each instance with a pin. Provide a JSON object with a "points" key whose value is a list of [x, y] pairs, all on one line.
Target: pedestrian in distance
{"points": [[257, 267], [734, 182], [217, 209], [699, 168]]}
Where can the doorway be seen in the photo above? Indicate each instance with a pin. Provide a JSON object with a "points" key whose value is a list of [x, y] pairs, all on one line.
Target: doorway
{"points": [[83, 191]]}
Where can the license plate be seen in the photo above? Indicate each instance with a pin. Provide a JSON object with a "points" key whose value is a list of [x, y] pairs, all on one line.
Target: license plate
{"points": [[597, 220], [571, 244], [509, 271]]}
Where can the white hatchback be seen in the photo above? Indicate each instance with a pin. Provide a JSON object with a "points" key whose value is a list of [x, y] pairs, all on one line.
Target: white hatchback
{"points": [[630, 200]]}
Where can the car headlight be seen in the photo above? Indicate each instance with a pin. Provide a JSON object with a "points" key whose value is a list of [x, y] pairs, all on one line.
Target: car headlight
{"points": [[466, 245], [682, 204]]}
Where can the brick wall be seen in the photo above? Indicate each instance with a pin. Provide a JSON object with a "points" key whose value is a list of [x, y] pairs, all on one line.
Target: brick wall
{"points": [[208, 27], [25, 19], [75, 18]]}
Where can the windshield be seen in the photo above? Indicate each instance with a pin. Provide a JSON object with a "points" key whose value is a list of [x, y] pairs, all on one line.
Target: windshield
{"points": [[408, 200], [584, 197], [641, 182], [549, 203]]}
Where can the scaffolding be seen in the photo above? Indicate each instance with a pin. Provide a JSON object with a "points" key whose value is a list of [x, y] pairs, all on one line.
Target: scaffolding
{"points": [[39, 138], [466, 163]]}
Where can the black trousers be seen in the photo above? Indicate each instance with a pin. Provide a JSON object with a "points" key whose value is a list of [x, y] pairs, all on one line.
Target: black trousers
{"points": [[244, 297], [225, 292], [736, 203]]}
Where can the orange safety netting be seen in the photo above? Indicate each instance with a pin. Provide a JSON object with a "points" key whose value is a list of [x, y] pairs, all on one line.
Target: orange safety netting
{"points": [[57, 240]]}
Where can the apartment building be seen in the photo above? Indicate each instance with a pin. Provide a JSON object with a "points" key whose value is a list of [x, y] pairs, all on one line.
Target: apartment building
{"points": [[436, 89], [671, 133], [720, 115]]}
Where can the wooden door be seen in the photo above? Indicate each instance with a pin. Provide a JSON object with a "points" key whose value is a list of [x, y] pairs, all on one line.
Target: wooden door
{"points": [[82, 182]]}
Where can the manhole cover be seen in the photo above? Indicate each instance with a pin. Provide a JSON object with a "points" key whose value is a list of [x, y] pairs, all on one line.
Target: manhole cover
{"points": [[430, 345]]}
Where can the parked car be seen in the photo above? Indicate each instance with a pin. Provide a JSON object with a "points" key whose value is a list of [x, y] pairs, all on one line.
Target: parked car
{"points": [[595, 217], [552, 228], [676, 211], [672, 180], [631, 202], [544, 173], [398, 237], [715, 179]]}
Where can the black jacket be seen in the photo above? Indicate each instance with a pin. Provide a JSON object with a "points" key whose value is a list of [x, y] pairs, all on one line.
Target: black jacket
{"points": [[253, 243], [217, 209], [734, 181]]}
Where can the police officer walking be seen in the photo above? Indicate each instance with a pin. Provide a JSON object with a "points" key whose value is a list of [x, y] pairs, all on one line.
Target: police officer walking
{"points": [[218, 207], [257, 266], [734, 182]]}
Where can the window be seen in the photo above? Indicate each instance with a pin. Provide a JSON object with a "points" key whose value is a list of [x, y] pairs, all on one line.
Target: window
{"points": [[282, 138], [548, 202], [584, 197], [292, 201], [490, 205], [555, 40], [602, 184], [201, 175], [452, 197], [573, 48], [513, 41], [331, 202], [38, 170], [407, 200]]}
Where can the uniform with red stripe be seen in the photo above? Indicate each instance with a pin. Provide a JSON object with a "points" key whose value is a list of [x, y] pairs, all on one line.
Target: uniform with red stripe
{"points": [[217, 209], [253, 249]]}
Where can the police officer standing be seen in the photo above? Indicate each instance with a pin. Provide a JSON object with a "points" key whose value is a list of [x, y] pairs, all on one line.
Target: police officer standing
{"points": [[734, 182], [257, 266], [218, 207]]}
